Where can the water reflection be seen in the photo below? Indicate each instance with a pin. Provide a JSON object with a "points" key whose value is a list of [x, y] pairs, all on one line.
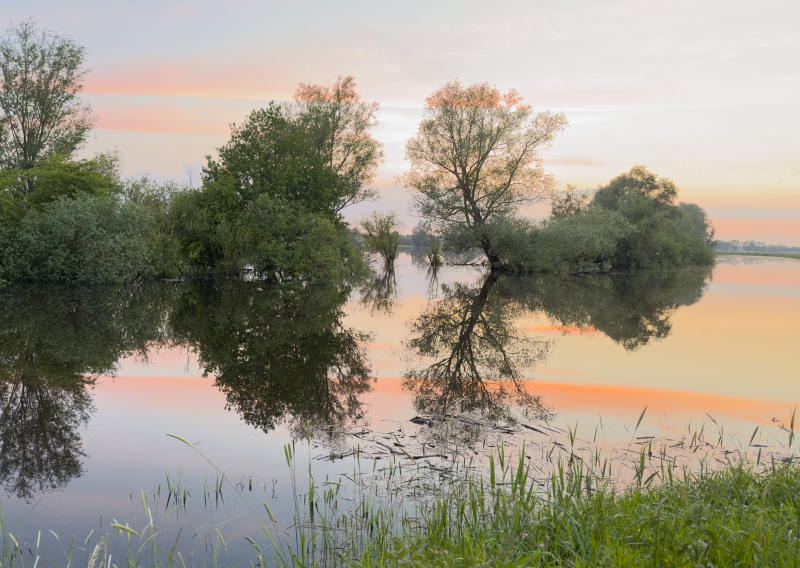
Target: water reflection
{"points": [[284, 355], [473, 354], [379, 292], [280, 354], [53, 342], [631, 310], [477, 358]]}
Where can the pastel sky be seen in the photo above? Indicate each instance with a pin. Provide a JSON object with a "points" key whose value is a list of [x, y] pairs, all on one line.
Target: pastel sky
{"points": [[706, 93]]}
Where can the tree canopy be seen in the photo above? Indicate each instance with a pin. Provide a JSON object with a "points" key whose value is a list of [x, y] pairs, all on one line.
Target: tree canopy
{"points": [[41, 112], [476, 157], [339, 125]]}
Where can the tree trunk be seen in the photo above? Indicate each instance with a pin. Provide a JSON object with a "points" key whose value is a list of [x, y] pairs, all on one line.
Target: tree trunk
{"points": [[494, 260]]}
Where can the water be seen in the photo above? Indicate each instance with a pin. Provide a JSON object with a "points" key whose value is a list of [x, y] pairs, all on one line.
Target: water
{"points": [[92, 380]]}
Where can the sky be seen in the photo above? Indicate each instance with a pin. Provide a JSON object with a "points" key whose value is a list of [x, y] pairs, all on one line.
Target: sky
{"points": [[705, 93]]}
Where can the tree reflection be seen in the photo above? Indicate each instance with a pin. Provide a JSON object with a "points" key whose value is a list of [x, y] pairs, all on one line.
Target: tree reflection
{"points": [[40, 445], [477, 359], [53, 341], [475, 356], [632, 310], [280, 354], [379, 292]]}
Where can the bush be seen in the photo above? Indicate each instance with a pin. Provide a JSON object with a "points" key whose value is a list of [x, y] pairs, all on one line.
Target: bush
{"points": [[88, 240], [159, 200], [667, 235], [282, 237], [583, 241]]}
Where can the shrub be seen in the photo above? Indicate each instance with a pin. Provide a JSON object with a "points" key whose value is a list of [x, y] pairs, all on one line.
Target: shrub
{"points": [[90, 240]]}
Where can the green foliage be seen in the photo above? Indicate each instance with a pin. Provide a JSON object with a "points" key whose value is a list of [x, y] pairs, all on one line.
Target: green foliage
{"points": [[569, 203], [269, 203], [52, 177], [272, 154], [159, 200], [283, 237], [581, 242], [667, 235], [339, 124], [90, 240], [731, 517], [41, 112], [56, 176], [381, 236], [639, 181], [433, 251]]}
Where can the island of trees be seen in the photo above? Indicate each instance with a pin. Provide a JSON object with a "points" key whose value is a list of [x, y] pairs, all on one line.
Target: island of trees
{"points": [[270, 203]]}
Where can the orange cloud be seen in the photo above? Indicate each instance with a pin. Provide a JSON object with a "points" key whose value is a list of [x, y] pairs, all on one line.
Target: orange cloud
{"points": [[627, 401]]}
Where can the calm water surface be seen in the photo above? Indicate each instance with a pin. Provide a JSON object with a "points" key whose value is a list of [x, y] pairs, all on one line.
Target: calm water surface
{"points": [[92, 380]]}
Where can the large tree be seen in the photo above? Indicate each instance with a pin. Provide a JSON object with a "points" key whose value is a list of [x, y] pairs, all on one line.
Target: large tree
{"points": [[41, 112], [339, 124], [476, 157]]}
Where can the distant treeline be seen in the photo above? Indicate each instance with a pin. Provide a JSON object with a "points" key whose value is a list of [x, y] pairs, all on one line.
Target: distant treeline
{"points": [[752, 246]]}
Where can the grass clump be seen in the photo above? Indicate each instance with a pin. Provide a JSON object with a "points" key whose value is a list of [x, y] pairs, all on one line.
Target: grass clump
{"points": [[734, 516]]}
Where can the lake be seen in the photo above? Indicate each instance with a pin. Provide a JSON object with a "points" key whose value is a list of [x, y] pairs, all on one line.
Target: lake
{"points": [[94, 379]]}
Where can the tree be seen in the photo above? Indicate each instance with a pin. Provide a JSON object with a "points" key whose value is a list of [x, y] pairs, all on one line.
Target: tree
{"points": [[667, 235], [476, 157], [269, 201], [270, 153], [339, 124], [41, 112], [381, 236]]}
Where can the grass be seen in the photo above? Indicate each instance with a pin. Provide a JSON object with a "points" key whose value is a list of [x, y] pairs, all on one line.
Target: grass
{"points": [[730, 517], [776, 254], [409, 511]]}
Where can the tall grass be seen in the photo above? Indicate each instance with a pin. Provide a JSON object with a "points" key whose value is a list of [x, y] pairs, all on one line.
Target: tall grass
{"points": [[408, 511]]}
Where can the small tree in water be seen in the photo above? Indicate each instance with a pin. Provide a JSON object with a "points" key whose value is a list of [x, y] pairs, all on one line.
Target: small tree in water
{"points": [[381, 236]]}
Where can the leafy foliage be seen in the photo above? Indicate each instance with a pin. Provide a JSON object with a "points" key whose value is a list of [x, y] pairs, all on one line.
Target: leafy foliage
{"points": [[89, 240], [159, 200], [269, 202], [667, 235], [381, 236], [272, 154], [41, 113]]}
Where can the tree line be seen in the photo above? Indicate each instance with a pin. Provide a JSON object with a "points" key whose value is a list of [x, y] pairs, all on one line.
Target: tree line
{"points": [[271, 201]]}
